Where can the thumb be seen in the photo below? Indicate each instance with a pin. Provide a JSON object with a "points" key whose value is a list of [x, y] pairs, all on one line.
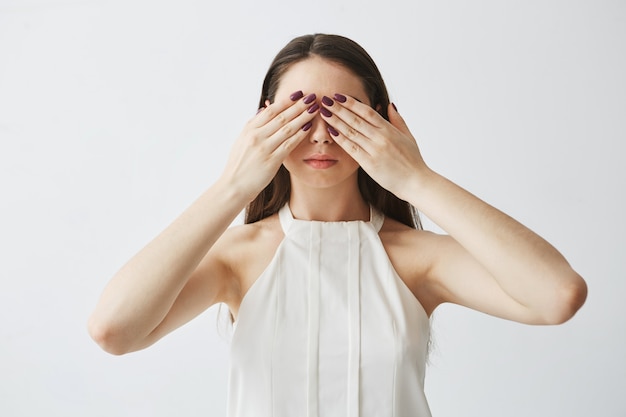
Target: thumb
{"points": [[396, 120]]}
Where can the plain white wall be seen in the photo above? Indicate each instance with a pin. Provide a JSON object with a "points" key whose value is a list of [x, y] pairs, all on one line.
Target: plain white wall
{"points": [[115, 115]]}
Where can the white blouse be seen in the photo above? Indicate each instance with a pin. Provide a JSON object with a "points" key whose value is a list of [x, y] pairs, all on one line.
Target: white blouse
{"points": [[329, 329]]}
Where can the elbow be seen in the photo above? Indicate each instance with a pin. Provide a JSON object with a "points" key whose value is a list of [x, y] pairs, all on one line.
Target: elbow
{"points": [[568, 299], [106, 336]]}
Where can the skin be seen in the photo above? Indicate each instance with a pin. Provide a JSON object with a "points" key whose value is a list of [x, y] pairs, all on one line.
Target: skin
{"points": [[488, 261]]}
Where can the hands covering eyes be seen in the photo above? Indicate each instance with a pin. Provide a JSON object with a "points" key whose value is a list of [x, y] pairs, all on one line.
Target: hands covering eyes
{"points": [[386, 150]]}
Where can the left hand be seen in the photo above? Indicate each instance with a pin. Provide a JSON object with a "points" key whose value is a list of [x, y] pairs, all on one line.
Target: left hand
{"points": [[387, 151]]}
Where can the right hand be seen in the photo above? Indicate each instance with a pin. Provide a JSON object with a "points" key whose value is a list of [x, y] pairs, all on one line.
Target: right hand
{"points": [[266, 140]]}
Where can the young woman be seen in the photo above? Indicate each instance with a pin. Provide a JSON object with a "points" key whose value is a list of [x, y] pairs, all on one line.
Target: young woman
{"points": [[331, 282]]}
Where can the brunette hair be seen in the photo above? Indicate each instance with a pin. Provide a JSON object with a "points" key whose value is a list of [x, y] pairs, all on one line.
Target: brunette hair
{"points": [[352, 56]]}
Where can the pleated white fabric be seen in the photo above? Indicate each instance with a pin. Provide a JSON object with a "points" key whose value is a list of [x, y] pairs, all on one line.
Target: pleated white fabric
{"points": [[329, 329]]}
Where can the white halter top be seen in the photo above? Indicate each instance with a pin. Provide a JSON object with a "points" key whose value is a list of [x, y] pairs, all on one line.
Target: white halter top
{"points": [[329, 329]]}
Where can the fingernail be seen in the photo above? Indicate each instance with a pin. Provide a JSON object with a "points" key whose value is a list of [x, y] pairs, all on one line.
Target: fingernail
{"points": [[309, 99], [307, 126], [325, 112], [394, 107], [340, 98], [332, 131], [313, 108], [296, 96], [260, 110], [327, 101]]}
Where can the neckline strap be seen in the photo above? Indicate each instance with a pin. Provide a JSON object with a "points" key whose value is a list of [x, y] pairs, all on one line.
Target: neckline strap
{"points": [[286, 218]]}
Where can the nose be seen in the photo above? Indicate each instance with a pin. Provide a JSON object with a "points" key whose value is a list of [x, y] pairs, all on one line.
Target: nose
{"points": [[318, 134]]}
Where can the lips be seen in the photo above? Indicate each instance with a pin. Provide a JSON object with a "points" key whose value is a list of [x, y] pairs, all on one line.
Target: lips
{"points": [[320, 161], [320, 157]]}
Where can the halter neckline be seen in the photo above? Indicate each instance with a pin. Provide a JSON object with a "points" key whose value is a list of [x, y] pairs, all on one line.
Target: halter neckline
{"points": [[286, 218]]}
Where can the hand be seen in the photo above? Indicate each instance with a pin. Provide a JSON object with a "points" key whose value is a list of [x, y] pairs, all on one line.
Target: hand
{"points": [[387, 151], [266, 140]]}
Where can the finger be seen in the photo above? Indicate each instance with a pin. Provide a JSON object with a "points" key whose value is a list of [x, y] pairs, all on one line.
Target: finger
{"points": [[357, 111], [291, 133], [396, 120], [279, 115], [349, 126], [357, 127], [277, 107], [350, 140]]}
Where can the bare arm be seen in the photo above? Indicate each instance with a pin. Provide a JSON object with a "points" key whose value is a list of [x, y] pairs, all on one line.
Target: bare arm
{"points": [[139, 297], [177, 276], [489, 261]]}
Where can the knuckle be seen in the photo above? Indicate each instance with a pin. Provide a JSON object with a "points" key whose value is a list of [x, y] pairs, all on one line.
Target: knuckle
{"points": [[262, 147], [370, 113], [351, 133], [280, 118], [254, 137], [287, 130], [288, 145], [269, 112]]}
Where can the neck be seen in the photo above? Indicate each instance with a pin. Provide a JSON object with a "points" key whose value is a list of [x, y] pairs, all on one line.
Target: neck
{"points": [[338, 203]]}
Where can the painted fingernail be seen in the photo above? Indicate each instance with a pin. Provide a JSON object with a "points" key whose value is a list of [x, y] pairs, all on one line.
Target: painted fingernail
{"points": [[332, 131], [394, 107], [325, 112], [340, 98], [260, 110], [296, 96], [310, 98], [327, 101], [313, 108], [307, 126]]}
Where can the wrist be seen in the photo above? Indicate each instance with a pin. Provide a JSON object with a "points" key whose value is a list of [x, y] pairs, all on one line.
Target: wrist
{"points": [[420, 185], [233, 192]]}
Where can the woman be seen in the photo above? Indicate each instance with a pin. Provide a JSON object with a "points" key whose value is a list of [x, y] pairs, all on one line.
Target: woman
{"points": [[331, 281]]}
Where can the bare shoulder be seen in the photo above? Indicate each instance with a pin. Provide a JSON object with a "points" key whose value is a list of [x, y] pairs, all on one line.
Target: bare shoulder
{"points": [[413, 253], [239, 236], [245, 251]]}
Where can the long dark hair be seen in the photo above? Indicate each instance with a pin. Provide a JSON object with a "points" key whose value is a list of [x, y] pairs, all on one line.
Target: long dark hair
{"points": [[352, 56]]}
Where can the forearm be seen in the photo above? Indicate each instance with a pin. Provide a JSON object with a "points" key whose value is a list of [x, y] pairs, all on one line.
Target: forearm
{"points": [[140, 295], [525, 266]]}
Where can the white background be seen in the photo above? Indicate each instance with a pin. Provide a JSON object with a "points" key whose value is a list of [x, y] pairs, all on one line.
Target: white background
{"points": [[115, 115]]}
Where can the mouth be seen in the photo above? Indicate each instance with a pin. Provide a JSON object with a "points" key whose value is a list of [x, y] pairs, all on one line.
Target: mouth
{"points": [[320, 161]]}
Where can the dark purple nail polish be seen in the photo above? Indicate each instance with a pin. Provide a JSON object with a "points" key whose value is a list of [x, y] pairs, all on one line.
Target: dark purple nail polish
{"points": [[307, 126], [394, 107], [310, 99], [340, 98], [332, 131], [325, 112], [296, 96], [327, 101], [313, 108]]}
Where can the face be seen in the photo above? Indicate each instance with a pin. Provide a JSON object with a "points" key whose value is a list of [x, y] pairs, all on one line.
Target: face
{"points": [[318, 161]]}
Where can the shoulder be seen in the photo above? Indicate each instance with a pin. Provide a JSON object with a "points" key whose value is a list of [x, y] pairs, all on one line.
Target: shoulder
{"points": [[413, 254], [404, 238], [242, 233], [245, 239], [245, 250]]}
